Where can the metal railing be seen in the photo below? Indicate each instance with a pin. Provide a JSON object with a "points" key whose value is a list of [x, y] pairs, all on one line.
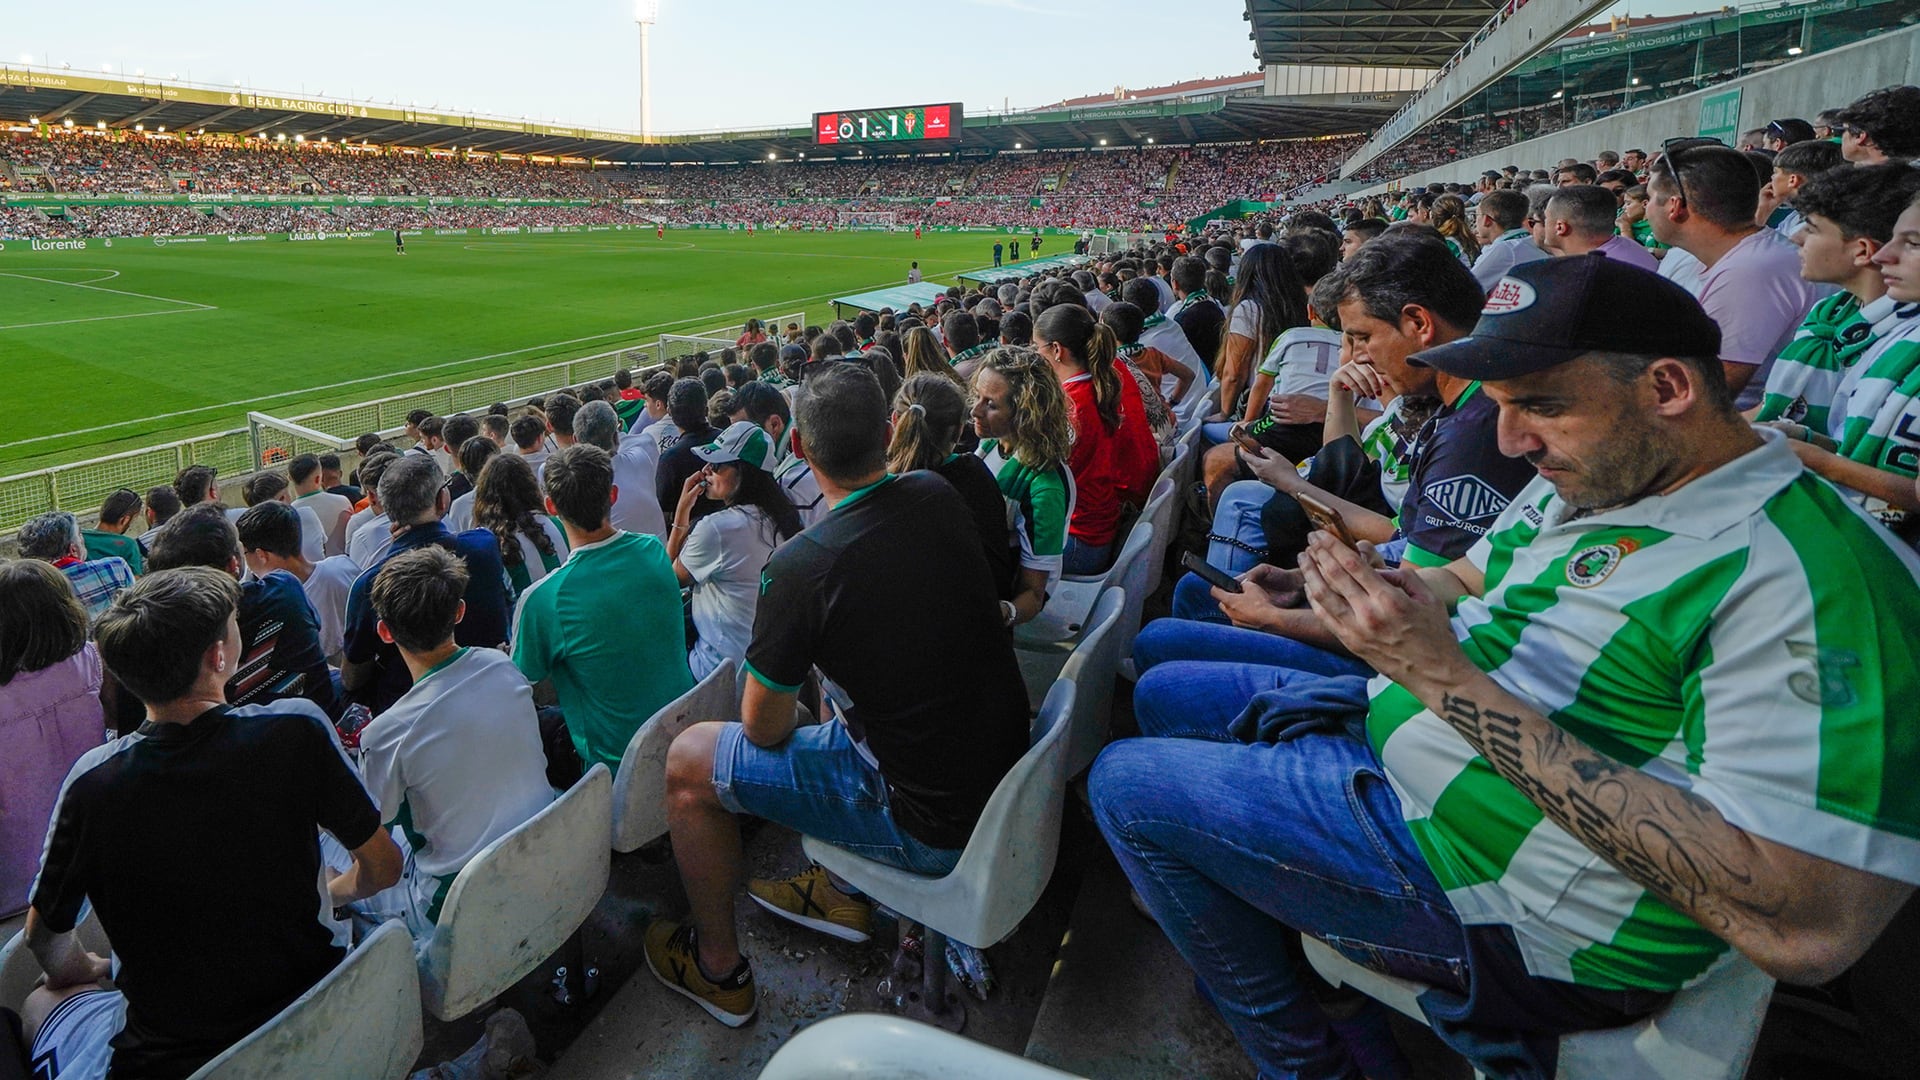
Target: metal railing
{"points": [[82, 485]]}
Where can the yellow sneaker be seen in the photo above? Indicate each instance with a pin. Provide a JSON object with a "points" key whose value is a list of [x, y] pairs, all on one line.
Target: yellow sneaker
{"points": [[673, 959], [811, 900]]}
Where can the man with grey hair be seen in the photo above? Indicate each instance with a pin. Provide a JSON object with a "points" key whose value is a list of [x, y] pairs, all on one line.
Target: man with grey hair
{"points": [[1580, 220], [635, 458], [55, 538], [413, 493]]}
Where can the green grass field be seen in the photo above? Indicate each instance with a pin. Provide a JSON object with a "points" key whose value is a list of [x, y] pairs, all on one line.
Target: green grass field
{"points": [[110, 349]]}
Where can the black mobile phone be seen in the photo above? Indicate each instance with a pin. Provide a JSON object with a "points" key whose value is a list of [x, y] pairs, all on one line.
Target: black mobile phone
{"points": [[1209, 573]]}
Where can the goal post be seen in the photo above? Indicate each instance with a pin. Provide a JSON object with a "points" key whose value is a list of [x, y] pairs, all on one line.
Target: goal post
{"points": [[275, 441], [867, 219]]}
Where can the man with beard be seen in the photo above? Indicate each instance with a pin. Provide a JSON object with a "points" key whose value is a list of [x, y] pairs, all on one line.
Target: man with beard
{"points": [[1645, 722]]}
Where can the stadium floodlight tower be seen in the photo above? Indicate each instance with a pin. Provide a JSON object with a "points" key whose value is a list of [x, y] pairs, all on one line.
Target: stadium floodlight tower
{"points": [[645, 13]]}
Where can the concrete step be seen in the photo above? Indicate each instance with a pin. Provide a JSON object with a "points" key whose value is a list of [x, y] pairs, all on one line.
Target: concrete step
{"points": [[1121, 1003]]}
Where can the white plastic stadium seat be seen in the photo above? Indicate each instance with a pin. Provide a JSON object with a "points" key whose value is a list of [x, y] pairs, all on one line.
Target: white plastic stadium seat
{"points": [[361, 1022], [1007, 861], [874, 1046], [1092, 669], [640, 787], [1706, 1032], [520, 899], [1163, 513], [1043, 645]]}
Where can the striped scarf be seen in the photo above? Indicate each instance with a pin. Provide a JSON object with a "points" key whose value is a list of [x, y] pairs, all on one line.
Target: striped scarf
{"points": [[968, 354], [1153, 320], [1808, 372], [1885, 403]]}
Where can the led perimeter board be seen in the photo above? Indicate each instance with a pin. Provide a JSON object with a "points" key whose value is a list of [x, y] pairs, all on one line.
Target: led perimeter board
{"points": [[906, 123]]}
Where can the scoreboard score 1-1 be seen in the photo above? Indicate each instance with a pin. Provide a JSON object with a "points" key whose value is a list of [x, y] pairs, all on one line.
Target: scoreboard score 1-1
{"points": [[907, 123]]}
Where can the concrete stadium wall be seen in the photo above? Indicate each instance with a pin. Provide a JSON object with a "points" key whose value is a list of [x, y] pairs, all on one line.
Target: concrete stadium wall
{"points": [[1801, 88]]}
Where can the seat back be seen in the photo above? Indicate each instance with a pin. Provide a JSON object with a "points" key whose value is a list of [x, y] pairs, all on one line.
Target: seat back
{"points": [[1162, 512], [1092, 668], [1010, 855], [20, 970], [640, 787], [1706, 1032], [520, 899], [361, 1021], [874, 1046]]}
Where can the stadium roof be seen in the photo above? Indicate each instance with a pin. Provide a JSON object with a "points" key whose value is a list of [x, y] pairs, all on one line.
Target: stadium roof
{"points": [[1233, 112], [1390, 33]]}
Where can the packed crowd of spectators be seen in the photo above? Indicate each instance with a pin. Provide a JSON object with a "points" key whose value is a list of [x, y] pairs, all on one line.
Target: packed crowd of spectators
{"points": [[1554, 656], [1119, 188]]}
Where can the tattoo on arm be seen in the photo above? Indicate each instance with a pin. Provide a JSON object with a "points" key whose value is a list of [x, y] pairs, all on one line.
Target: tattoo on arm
{"points": [[1670, 841]]}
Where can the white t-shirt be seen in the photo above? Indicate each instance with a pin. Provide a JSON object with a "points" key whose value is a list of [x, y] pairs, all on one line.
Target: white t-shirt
{"points": [[725, 553], [1167, 299], [1683, 270], [535, 458], [1245, 321], [313, 535], [330, 509], [1301, 361], [460, 755], [369, 543], [327, 588], [460, 514], [636, 509]]}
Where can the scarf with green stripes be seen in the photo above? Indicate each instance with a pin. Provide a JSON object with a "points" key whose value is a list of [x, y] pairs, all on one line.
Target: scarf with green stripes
{"points": [[1884, 406], [1153, 320], [968, 354], [1808, 372]]}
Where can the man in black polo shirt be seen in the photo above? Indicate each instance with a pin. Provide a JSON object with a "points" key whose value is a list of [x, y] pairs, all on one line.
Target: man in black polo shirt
{"points": [[889, 596], [196, 840], [1198, 313]]}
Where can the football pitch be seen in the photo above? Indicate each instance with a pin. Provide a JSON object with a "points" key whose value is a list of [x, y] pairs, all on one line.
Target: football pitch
{"points": [[115, 348]]}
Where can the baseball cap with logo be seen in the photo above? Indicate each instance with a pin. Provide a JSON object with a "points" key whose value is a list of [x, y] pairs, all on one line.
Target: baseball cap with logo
{"points": [[743, 440], [1545, 313]]}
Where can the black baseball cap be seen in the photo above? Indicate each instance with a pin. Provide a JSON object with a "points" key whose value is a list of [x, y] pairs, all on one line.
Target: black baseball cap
{"points": [[1545, 313], [793, 353]]}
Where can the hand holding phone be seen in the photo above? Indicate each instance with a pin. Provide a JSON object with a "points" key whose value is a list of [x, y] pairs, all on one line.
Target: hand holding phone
{"points": [[1238, 433], [1209, 573], [1326, 519]]}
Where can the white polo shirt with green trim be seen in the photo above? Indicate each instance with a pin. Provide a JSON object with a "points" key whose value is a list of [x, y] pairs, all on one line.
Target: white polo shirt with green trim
{"points": [[1747, 638]]}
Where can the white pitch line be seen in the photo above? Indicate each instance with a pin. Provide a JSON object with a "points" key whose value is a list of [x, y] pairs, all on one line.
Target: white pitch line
{"points": [[438, 367], [103, 318], [116, 292]]}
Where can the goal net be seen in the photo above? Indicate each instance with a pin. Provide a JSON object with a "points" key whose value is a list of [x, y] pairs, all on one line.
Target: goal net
{"points": [[675, 346], [276, 442], [867, 219]]}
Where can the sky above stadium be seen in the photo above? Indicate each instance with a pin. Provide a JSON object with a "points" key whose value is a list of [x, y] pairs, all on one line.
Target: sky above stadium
{"points": [[733, 63]]}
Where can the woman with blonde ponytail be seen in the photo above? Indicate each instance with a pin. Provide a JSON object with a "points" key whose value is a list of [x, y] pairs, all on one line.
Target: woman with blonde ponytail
{"points": [[1026, 434], [1114, 457], [929, 415]]}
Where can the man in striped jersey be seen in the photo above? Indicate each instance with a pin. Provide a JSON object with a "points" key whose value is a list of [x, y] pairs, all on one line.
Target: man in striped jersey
{"points": [[1653, 729]]}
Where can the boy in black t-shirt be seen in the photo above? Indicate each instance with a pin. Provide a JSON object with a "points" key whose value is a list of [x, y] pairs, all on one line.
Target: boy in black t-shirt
{"points": [[196, 840], [890, 598]]}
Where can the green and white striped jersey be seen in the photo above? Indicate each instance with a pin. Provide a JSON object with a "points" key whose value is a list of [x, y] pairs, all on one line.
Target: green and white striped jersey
{"points": [[1748, 638]]}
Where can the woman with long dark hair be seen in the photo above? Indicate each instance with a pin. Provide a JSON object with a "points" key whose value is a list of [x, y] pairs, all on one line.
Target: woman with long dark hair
{"points": [[1268, 300], [930, 431], [507, 502], [1114, 457], [721, 555]]}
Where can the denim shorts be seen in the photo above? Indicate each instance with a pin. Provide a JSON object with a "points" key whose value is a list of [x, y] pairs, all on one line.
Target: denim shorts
{"points": [[817, 784]]}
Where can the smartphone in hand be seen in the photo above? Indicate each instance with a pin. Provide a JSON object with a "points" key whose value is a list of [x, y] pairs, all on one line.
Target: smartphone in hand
{"points": [[1209, 573], [1238, 433], [1326, 519]]}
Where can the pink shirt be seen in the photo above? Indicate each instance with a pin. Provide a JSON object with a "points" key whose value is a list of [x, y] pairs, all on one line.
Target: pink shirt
{"points": [[1757, 296], [48, 718], [1624, 250]]}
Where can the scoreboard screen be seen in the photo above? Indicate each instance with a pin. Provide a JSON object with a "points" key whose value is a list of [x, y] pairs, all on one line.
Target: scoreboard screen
{"points": [[908, 123]]}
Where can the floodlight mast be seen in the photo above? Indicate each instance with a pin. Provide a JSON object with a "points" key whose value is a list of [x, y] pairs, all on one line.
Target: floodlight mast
{"points": [[645, 13]]}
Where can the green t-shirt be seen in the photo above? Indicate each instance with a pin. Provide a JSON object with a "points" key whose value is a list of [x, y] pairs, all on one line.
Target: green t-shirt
{"points": [[1041, 504], [606, 627], [1643, 235], [101, 544]]}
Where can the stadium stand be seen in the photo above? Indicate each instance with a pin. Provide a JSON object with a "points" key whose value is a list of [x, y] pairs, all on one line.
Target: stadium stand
{"points": [[1545, 688]]}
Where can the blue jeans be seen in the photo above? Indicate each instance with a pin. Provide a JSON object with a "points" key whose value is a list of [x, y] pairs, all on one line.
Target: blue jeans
{"points": [[1257, 844], [1083, 558], [1164, 640], [817, 784], [1237, 516], [1215, 434]]}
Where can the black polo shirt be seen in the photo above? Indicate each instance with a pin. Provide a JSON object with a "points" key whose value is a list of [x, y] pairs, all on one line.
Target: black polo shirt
{"points": [[198, 846], [1204, 324], [981, 492], [890, 597]]}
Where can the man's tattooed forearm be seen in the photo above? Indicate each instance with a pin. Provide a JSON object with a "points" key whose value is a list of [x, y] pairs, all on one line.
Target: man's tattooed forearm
{"points": [[1670, 841]]}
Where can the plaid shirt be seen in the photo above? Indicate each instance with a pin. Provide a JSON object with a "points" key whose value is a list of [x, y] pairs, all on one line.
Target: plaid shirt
{"points": [[96, 581]]}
